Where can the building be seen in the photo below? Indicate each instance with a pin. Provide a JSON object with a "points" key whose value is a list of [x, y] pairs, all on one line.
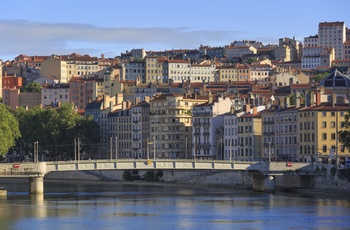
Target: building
{"points": [[316, 56], [288, 50], [227, 73], [318, 132], [249, 135], [52, 94], [208, 120], [239, 51], [332, 35], [311, 41], [171, 125]]}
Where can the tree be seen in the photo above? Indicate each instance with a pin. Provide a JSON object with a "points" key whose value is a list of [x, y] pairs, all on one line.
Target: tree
{"points": [[55, 129], [9, 130], [318, 77], [33, 87], [344, 135]]}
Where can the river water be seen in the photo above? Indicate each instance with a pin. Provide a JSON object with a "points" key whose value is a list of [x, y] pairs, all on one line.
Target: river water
{"points": [[112, 205]]}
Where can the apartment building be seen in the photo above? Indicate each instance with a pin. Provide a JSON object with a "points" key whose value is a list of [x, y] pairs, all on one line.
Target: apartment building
{"points": [[288, 50], [243, 72], [81, 91], [314, 57], [260, 74], [134, 69], [140, 132], [171, 125], [311, 41], [67, 66], [249, 135], [207, 119], [346, 49], [56, 67], [212, 52], [227, 73], [318, 132], [154, 70], [332, 35], [179, 70], [51, 94], [239, 51]]}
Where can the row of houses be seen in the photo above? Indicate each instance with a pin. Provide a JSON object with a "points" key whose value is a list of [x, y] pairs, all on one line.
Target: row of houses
{"points": [[220, 127]]}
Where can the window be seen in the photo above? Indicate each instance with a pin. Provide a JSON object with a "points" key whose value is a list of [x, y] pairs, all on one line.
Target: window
{"points": [[332, 124], [324, 136], [324, 114], [324, 124], [333, 136], [324, 148]]}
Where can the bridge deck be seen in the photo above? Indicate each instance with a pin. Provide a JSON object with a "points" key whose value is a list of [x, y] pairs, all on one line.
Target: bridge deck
{"points": [[39, 169]]}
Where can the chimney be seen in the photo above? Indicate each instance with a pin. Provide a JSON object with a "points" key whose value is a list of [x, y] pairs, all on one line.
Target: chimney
{"points": [[102, 56], [334, 99], [297, 99], [118, 98], [124, 105], [105, 101], [255, 110], [312, 98], [137, 100], [247, 108], [110, 106], [318, 98], [147, 99], [210, 97]]}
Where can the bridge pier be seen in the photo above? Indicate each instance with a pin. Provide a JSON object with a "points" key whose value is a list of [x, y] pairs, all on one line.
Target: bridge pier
{"points": [[36, 185], [263, 183]]}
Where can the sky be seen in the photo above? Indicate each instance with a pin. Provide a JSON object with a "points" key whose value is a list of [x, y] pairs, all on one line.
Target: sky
{"points": [[111, 27]]}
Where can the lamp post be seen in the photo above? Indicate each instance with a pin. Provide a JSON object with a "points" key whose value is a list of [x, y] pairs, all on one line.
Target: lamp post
{"points": [[154, 148], [269, 152], [111, 147], [186, 148], [116, 148], [230, 143]]}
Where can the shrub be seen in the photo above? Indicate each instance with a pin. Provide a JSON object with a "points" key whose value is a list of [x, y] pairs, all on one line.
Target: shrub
{"points": [[127, 175], [149, 176]]}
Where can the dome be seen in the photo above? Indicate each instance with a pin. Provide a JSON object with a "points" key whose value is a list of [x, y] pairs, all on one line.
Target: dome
{"points": [[335, 79]]}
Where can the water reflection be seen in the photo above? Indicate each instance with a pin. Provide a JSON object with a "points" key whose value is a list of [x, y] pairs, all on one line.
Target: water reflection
{"points": [[72, 205]]}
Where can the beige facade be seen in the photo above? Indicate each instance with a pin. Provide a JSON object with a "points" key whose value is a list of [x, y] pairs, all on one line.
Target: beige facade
{"points": [[239, 51], [249, 136], [170, 125], [227, 73], [153, 70], [55, 67]]}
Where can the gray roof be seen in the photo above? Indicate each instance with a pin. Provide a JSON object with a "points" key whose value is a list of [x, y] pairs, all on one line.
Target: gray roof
{"points": [[336, 79]]}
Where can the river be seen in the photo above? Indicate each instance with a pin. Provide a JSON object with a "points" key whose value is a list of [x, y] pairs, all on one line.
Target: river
{"points": [[113, 205]]}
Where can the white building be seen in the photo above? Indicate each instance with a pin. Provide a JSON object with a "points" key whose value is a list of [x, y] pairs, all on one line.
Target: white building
{"points": [[207, 120], [332, 35]]}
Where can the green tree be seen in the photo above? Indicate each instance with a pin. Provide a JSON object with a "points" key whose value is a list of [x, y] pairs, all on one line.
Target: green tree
{"points": [[33, 87], [55, 129], [9, 130], [319, 76], [344, 135], [127, 175]]}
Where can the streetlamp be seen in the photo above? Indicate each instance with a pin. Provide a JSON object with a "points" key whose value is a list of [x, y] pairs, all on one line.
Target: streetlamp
{"points": [[116, 148], [230, 143], [111, 147], [186, 148], [154, 147]]}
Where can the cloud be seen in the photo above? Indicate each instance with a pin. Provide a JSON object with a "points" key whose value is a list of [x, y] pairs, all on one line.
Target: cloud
{"points": [[33, 38]]}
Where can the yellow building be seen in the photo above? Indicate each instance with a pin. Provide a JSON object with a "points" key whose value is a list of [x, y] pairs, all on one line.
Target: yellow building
{"points": [[227, 73], [318, 132]]}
